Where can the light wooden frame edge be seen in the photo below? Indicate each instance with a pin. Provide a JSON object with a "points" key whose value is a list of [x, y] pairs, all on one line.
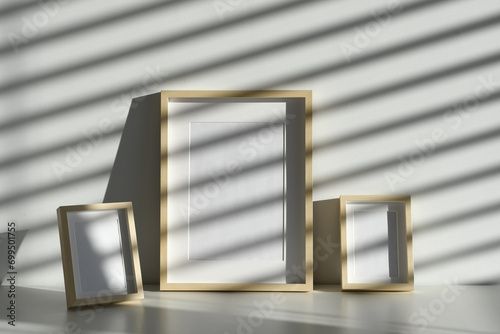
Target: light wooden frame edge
{"points": [[300, 287], [69, 279], [345, 285]]}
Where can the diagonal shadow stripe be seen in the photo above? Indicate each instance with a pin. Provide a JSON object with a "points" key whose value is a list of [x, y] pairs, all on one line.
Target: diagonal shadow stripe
{"points": [[415, 81], [458, 255], [242, 247], [37, 191], [245, 169], [433, 328], [486, 281], [391, 51], [242, 135], [268, 200], [88, 100], [451, 33], [470, 140], [19, 6], [94, 24], [51, 261], [397, 125], [209, 219], [307, 38], [42, 226], [460, 180], [25, 157], [461, 217], [149, 46], [351, 137], [264, 278]]}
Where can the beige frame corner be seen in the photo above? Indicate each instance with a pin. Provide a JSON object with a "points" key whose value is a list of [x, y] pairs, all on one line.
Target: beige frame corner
{"points": [[308, 219], [346, 286], [69, 279]]}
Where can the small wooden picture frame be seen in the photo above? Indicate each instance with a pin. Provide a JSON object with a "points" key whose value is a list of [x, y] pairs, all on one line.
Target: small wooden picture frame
{"points": [[376, 243], [99, 254], [236, 190]]}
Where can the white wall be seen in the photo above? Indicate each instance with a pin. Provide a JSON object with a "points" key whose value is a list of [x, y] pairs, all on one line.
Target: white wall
{"points": [[381, 83]]}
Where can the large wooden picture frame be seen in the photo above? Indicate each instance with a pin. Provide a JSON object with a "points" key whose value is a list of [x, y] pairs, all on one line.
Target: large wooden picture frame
{"points": [[376, 243], [99, 254], [236, 190]]}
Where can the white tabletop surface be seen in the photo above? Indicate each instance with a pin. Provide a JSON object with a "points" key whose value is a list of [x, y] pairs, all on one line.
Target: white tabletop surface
{"points": [[429, 309]]}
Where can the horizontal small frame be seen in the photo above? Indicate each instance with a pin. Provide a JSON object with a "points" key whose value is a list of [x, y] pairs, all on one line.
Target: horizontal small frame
{"points": [[376, 243], [191, 256], [99, 254]]}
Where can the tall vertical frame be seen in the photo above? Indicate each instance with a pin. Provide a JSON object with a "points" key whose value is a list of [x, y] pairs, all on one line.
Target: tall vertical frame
{"points": [[236, 190]]}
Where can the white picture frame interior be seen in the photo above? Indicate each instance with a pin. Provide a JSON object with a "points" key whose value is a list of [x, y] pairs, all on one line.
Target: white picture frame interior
{"points": [[253, 118], [97, 253], [376, 247], [211, 205]]}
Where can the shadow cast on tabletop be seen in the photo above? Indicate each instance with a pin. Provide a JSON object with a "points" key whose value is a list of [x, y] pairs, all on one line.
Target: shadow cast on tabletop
{"points": [[44, 311], [151, 287], [327, 288], [221, 319]]}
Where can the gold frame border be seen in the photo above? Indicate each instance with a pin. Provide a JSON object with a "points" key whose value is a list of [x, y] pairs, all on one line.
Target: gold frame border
{"points": [[69, 279]]}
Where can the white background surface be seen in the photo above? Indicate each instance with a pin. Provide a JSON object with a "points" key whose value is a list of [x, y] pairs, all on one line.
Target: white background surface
{"points": [[78, 73]]}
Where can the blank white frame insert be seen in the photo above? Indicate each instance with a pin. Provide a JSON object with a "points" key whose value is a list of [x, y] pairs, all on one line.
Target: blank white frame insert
{"points": [[376, 243], [97, 253], [220, 181]]}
